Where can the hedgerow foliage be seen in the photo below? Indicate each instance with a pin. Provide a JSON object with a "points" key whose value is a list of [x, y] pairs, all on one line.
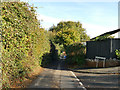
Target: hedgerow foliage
{"points": [[71, 35], [24, 42], [99, 38], [75, 54], [117, 53]]}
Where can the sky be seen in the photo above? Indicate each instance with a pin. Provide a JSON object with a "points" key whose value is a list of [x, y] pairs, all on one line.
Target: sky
{"points": [[96, 17]]}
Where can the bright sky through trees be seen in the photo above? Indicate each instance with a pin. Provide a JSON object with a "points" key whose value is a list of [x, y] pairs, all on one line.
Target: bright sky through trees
{"points": [[96, 17]]}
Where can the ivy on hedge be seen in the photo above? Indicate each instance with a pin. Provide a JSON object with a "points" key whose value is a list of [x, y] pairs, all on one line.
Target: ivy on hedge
{"points": [[23, 41]]}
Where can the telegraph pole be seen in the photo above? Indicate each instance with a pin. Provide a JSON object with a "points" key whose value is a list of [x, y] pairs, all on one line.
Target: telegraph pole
{"points": [[119, 18]]}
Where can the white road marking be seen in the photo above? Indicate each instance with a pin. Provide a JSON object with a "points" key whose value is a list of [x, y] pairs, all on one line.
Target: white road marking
{"points": [[78, 80]]}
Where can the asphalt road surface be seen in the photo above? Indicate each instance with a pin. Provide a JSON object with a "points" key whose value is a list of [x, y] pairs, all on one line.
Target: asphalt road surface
{"points": [[107, 78], [57, 76], [99, 81]]}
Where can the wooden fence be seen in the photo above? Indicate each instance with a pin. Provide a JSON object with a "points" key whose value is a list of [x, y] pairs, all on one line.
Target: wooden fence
{"points": [[105, 48]]}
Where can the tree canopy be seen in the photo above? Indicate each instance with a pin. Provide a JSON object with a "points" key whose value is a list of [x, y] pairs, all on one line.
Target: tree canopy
{"points": [[69, 32]]}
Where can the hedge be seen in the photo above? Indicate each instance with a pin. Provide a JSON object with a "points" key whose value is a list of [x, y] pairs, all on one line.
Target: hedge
{"points": [[23, 41]]}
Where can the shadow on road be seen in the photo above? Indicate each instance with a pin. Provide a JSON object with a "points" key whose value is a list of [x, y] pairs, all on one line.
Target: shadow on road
{"points": [[99, 81], [51, 60], [90, 80]]}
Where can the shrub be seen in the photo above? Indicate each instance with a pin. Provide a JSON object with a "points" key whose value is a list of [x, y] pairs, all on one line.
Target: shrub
{"points": [[75, 53], [118, 53]]}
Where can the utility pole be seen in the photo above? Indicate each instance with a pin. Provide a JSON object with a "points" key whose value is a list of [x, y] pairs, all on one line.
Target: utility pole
{"points": [[119, 18]]}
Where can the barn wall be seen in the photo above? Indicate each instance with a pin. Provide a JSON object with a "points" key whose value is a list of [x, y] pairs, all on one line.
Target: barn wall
{"points": [[104, 48]]}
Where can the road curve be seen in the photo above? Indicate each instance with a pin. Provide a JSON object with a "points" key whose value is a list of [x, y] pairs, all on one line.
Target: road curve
{"points": [[57, 77]]}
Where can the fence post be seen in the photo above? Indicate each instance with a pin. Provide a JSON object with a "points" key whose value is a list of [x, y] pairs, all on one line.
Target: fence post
{"points": [[104, 63], [97, 60]]}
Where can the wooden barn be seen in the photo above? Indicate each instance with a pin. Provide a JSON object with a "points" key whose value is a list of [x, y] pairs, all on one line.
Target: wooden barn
{"points": [[103, 48]]}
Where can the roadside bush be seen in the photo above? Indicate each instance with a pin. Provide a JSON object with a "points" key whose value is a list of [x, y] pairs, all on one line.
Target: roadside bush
{"points": [[57, 46], [23, 41], [118, 53], [75, 54], [51, 57]]}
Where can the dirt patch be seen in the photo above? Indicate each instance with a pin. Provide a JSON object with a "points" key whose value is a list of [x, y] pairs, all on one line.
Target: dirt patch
{"points": [[24, 82]]}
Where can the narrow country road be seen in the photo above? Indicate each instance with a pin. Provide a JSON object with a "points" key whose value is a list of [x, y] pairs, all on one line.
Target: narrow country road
{"points": [[57, 77], [100, 78]]}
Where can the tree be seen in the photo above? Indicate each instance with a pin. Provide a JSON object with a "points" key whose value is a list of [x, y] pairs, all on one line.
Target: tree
{"points": [[69, 32]]}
